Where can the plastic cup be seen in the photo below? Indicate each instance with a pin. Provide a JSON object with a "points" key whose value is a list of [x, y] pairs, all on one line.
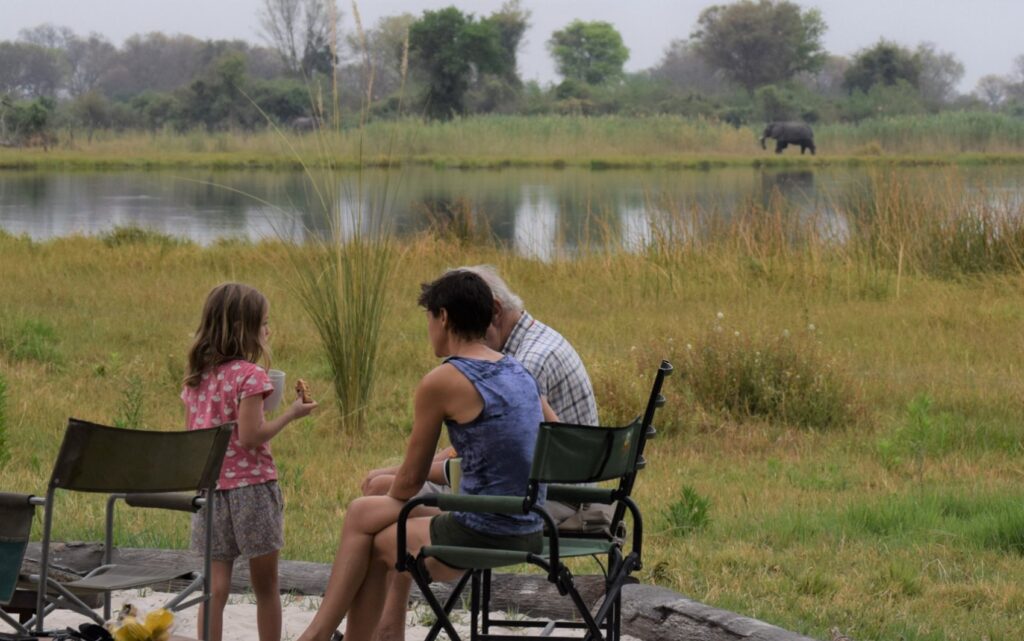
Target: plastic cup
{"points": [[271, 402]]}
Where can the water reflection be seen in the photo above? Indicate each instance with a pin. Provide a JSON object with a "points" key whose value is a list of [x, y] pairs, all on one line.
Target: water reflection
{"points": [[536, 212]]}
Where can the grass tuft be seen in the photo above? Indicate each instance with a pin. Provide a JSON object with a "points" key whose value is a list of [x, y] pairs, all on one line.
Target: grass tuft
{"points": [[689, 513]]}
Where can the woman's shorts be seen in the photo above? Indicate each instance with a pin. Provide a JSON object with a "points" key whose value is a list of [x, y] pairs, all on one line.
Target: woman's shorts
{"points": [[445, 530], [247, 522]]}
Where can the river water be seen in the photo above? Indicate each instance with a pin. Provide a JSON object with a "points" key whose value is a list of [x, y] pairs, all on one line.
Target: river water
{"points": [[535, 212]]}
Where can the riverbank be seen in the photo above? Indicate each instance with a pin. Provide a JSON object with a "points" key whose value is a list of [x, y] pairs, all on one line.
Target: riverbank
{"points": [[494, 142], [900, 518]]}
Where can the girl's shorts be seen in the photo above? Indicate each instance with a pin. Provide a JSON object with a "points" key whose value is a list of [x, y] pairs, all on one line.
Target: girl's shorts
{"points": [[247, 522]]}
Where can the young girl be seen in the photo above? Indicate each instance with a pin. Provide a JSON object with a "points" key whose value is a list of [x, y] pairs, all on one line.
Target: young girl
{"points": [[225, 385]]}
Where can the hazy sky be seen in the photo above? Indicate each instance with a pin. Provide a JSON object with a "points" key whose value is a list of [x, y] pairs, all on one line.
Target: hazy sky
{"points": [[984, 34]]}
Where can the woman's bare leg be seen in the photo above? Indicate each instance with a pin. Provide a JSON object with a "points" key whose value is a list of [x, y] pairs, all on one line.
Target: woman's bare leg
{"points": [[365, 614], [263, 574], [366, 516], [220, 588]]}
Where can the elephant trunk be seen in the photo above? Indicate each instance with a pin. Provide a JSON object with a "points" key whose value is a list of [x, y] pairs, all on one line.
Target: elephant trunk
{"points": [[762, 142]]}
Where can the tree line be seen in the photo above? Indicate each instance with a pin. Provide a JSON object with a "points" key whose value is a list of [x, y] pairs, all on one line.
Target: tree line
{"points": [[743, 62]]}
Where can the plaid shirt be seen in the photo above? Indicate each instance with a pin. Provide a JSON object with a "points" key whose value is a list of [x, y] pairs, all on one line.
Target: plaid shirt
{"points": [[556, 366]]}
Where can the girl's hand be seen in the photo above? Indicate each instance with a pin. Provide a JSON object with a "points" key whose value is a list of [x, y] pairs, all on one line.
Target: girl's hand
{"points": [[298, 409]]}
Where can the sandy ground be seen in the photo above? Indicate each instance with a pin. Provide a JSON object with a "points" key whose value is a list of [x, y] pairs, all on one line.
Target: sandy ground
{"points": [[240, 617]]}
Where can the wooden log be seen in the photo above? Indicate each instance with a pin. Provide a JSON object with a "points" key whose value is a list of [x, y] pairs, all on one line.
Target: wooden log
{"points": [[649, 612]]}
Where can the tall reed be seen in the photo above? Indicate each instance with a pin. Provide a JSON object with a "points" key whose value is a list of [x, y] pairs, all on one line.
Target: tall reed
{"points": [[342, 276]]}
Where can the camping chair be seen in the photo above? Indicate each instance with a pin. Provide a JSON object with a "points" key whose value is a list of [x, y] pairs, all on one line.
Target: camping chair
{"points": [[16, 512], [564, 454], [145, 469]]}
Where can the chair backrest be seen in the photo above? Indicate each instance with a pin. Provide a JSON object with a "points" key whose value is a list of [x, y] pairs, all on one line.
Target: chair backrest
{"points": [[654, 401], [16, 512], [567, 453], [98, 458]]}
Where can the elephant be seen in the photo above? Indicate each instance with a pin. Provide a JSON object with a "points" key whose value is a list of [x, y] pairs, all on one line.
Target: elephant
{"points": [[789, 133]]}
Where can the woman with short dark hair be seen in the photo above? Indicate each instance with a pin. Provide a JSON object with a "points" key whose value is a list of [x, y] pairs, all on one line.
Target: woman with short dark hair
{"points": [[492, 410]]}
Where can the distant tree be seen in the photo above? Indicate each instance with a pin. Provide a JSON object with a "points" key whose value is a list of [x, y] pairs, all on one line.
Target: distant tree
{"points": [[302, 32], [91, 111], [992, 89], [512, 21], [683, 68], [828, 80], [886, 63], [216, 100], [154, 62], [449, 50], [88, 60], [29, 70], [763, 42], [47, 35], [590, 52], [940, 74], [155, 110], [381, 46]]}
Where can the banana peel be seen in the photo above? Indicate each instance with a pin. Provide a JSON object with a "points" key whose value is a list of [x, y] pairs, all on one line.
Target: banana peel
{"points": [[155, 626]]}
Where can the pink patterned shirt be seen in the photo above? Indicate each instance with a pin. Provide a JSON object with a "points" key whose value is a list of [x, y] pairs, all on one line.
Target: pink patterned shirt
{"points": [[215, 402]]}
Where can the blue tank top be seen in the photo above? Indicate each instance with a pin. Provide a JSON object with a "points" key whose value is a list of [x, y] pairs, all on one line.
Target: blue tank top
{"points": [[497, 446]]}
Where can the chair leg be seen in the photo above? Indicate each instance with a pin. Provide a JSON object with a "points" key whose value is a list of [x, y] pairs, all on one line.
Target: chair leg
{"points": [[422, 579], [485, 605]]}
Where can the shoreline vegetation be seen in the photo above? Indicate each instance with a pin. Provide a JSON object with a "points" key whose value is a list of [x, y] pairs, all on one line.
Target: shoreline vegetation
{"points": [[495, 142]]}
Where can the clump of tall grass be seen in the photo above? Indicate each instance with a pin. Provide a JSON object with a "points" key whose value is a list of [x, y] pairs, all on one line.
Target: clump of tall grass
{"points": [[785, 377], [342, 277], [689, 512], [130, 405], [950, 231]]}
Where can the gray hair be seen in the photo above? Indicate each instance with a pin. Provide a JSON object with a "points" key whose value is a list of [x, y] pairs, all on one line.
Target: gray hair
{"points": [[499, 289]]}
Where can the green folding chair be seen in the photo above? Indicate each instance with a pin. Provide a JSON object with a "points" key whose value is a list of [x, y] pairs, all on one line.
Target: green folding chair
{"points": [[564, 454], [168, 470], [16, 513]]}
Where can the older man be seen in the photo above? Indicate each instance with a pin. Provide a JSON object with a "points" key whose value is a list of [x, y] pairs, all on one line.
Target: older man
{"points": [[562, 380]]}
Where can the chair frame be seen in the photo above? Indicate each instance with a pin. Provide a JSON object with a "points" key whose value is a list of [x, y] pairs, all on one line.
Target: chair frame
{"points": [[618, 571], [165, 494]]}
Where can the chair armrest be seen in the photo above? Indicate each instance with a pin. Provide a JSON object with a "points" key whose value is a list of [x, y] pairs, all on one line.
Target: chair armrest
{"points": [[580, 494], [12, 499], [482, 503], [181, 501]]}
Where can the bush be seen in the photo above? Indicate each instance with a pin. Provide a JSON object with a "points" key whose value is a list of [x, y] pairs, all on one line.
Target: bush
{"points": [[780, 378]]}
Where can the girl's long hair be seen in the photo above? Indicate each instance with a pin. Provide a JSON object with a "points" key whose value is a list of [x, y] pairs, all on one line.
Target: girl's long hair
{"points": [[230, 329]]}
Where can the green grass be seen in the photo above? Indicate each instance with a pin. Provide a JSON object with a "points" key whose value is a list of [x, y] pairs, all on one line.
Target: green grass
{"points": [[904, 519], [497, 141]]}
